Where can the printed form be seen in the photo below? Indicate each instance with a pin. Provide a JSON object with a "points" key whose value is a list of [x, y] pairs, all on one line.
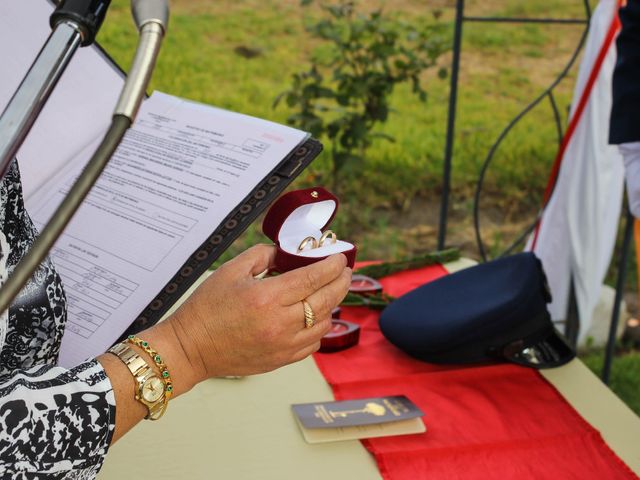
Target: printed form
{"points": [[178, 173]]}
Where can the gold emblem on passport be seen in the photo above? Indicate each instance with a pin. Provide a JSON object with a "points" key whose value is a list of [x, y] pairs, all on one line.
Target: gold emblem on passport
{"points": [[370, 408]]}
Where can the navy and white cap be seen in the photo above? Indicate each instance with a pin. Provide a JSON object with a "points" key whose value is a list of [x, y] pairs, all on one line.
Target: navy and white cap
{"points": [[494, 311]]}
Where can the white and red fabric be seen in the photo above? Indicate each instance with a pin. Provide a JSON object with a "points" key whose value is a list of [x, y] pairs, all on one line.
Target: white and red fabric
{"points": [[577, 231]]}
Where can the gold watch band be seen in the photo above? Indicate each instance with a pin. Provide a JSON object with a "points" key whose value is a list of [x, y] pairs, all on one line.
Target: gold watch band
{"points": [[134, 362], [142, 373]]}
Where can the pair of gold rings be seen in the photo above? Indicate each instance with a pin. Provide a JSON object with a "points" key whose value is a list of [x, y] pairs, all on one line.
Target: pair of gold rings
{"points": [[317, 243]]}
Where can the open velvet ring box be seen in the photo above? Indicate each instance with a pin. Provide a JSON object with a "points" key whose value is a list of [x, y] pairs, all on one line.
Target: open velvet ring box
{"points": [[298, 215]]}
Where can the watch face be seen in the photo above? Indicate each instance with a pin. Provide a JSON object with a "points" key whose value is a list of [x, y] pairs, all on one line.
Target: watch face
{"points": [[153, 389]]}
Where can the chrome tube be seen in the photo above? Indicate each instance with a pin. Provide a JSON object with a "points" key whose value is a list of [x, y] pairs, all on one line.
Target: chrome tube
{"points": [[36, 87], [151, 35]]}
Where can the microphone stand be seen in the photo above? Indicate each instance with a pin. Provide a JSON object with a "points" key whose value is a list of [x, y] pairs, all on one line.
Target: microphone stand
{"points": [[151, 17], [74, 23]]}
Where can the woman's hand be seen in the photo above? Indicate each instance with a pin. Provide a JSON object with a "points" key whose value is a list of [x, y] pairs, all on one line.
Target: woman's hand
{"points": [[236, 325]]}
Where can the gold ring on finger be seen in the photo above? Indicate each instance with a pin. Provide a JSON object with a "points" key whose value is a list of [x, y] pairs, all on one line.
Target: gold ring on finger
{"points": [[327, 234], [306, 241], [309, 316], [261, 275]]}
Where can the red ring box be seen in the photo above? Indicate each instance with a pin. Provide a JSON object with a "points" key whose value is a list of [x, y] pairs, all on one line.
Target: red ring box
{"points": [[363, 285], [342, 335], [300, 214]]}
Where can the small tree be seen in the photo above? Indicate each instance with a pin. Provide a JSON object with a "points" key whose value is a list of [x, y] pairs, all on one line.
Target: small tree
{"points": [[345, 92]]}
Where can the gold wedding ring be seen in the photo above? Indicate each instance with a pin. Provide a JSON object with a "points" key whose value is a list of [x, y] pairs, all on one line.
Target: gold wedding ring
{"points": [[309, 317], [327, 234], [261, 275], [305, 242]]}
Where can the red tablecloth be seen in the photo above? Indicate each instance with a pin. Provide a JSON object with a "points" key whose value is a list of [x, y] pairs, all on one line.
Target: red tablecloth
{"points": [[484, 422]]}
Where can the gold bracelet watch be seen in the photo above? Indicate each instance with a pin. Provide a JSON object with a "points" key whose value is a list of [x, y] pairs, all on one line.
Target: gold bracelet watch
{"points": [[150, 387]]}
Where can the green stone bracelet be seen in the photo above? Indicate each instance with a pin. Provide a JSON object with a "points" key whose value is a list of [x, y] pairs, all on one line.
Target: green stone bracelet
{"points": [[155, 356]]}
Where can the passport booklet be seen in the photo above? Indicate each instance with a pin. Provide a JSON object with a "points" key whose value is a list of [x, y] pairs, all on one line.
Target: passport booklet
{"points": [[354, 419]]}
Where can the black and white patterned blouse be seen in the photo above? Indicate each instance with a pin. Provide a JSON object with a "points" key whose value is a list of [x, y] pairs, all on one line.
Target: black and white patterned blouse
{"points": [[55, 423]]}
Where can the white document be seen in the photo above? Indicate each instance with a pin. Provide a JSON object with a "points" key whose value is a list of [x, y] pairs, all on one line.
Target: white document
{"points": [[178, 173]]}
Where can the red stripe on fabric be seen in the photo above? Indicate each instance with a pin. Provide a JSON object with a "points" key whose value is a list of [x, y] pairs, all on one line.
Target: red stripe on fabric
{"points": [[496, 421], [584, 99]]}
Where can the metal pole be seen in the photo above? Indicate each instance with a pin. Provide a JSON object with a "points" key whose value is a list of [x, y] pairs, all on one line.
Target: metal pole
{"points": [[561, 21], [615, 318], [448, 151], [572, 323], [26, 104]]}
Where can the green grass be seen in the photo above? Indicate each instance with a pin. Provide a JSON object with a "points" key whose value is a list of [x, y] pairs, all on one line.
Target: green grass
{"points": [[625, 375], [503, 68]]}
